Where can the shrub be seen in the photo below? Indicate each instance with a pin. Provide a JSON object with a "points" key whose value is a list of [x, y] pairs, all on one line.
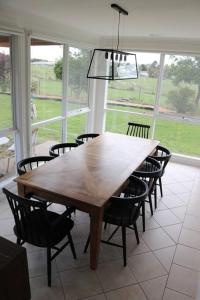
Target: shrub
{"points": [[34, 85], [181, 99]]}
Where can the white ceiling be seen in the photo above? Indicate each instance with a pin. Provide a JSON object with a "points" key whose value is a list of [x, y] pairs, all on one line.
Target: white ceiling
{"points": [[147, 18]]}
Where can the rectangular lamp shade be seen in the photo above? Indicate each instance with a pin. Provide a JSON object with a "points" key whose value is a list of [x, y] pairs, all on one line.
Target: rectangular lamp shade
{"points": [[110, 64]]}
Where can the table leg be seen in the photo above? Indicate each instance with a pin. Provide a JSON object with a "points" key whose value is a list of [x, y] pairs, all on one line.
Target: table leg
{"points": [[96, 218], [21, 189]]}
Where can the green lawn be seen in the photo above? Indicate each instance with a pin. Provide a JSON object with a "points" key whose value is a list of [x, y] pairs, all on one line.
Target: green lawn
{"points": [[5, 111], [179, 137]]}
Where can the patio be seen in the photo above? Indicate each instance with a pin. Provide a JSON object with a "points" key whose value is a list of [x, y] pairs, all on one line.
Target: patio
{"points": [[165, 265]]}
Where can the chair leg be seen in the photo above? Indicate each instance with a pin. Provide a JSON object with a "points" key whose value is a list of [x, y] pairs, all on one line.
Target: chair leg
{"points": [[105, 225], [7, 169], [49, 266], [143, 216], [124, 243], [71, 245], [155, 196], [136, 233], [18, 241], [87, 244], [150, 203], [160, 184]]}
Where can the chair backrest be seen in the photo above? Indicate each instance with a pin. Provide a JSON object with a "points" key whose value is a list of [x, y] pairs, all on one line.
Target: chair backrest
{"points": [[83, 138], [150, 171], [130, 206], [60, 149], [22, 209], [31, 163], [138, 130], [162, 155]]}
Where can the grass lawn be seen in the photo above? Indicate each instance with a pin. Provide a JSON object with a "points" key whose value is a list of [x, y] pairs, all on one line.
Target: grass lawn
{"points": [[5, 111], [179, 137]]}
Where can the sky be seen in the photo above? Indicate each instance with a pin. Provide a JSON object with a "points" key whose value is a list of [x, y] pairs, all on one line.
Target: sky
{"points": [[50, 53], [54, 53]]}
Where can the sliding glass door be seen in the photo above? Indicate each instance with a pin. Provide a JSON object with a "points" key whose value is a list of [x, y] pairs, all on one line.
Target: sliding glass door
{"points": [[7, 144], [46, 95]]}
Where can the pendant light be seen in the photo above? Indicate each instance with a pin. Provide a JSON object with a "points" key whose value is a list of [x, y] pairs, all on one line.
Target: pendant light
{"points": [[113, 64]]}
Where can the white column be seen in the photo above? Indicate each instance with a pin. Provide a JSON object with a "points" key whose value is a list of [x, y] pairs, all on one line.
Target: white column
{"points": [[64, 91], [99, 97], [158, 92], [21, 95], [99, 106]]}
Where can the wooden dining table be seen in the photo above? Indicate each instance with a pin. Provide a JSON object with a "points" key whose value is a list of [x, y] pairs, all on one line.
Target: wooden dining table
{"points": [[88, 176]]}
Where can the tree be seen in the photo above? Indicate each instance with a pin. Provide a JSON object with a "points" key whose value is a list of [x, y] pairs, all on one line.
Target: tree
{"points": [[153, 69], [78, 65], [187, 70], [143, 67], [181, 99], [58, 69], [4, 71]]}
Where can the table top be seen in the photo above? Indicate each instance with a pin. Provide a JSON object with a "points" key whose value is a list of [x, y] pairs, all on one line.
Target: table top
{"points": [[92, 172]]}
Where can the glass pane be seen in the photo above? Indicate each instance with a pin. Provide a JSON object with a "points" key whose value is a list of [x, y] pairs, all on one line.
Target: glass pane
{"points": [[76, 125], [5, 83], [78, 82], [180, 100], [46, 80], [138, 94], [7, 157], [118, 121], [44, 137], [181, 86], [179, 137]]}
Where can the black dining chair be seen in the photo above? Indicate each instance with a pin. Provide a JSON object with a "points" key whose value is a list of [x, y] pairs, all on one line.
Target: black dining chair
{"points": [[138, 130], [163, 155], [83, 138], [36, 225], [60, 149], [124, 212], [149, 171], [28, 164]]}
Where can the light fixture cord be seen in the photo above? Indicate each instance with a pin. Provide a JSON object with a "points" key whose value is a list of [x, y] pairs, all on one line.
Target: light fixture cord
{"points": [[118, 32]]}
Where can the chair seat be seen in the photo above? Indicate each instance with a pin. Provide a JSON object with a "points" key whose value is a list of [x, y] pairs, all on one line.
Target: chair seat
{"points": [[119, 215], [39, 234]]}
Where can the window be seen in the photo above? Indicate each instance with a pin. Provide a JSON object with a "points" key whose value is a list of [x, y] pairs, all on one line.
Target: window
{"points": [[76, 125], [77, 82], [133, 100], [44, 137], [46, 80], [7, 144], [117, 121], [6, 120], [46, 94], [178, 125]]}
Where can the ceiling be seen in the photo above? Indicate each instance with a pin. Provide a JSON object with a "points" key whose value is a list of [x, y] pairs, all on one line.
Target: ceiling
{"points": [[177, 19]]}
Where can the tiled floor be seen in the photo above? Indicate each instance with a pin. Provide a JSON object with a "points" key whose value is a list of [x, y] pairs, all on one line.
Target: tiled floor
{"points": [[165, 265]]}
